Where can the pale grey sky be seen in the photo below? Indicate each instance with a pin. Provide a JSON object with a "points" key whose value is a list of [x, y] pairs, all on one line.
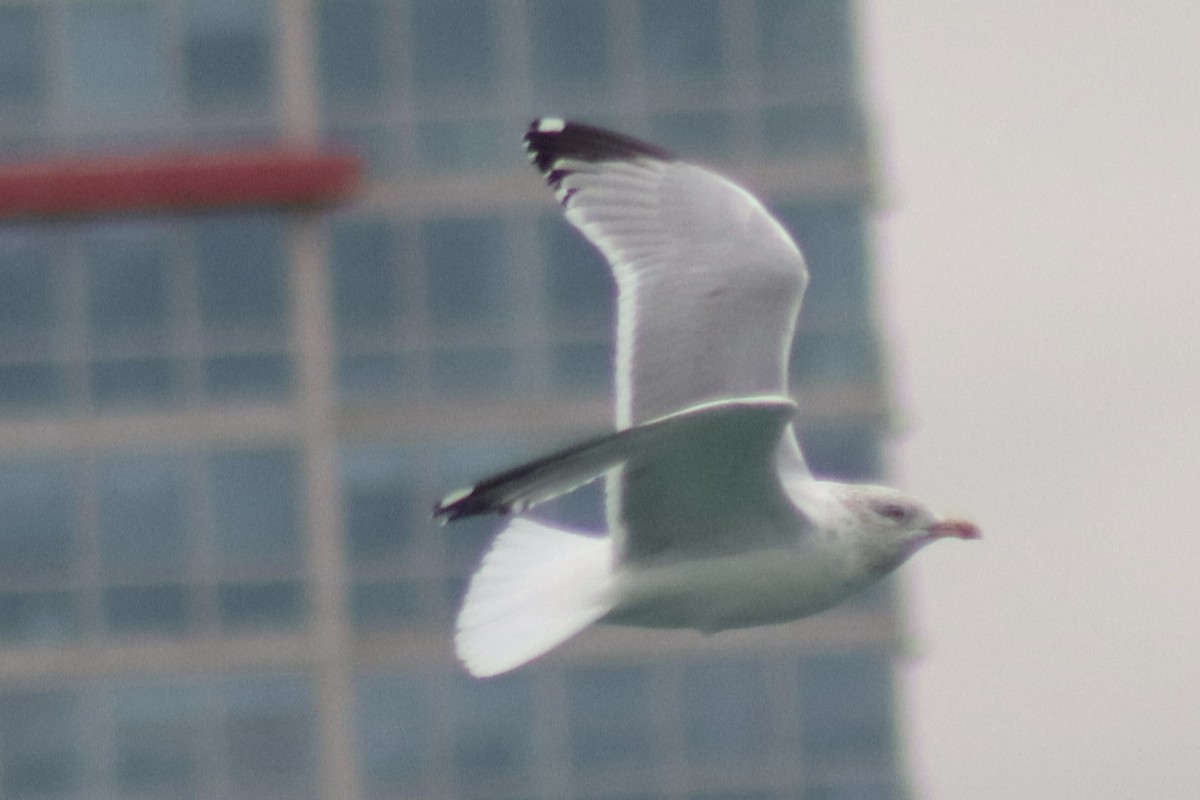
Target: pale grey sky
{"points": [[1040, 250]]}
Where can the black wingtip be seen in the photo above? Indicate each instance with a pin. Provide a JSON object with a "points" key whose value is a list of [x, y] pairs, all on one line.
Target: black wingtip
{"points": [[468, 502], [551, 139]]}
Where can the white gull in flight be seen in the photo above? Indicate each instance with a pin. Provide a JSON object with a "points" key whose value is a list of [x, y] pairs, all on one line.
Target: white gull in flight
{"points": [[714, 520]]}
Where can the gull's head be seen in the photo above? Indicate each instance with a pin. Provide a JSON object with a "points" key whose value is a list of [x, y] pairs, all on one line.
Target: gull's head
{"points": [[887, 526]]}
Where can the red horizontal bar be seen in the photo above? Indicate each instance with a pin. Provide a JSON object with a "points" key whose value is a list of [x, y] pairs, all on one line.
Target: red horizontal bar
{"points": [[170, 181]]}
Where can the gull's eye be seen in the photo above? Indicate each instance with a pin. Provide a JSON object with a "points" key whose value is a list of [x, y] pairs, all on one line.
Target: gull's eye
{"points": [[896, 512]]}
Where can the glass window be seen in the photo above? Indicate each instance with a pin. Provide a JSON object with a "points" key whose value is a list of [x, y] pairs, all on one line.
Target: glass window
{"points": [[159, 610], [726, 713], [227, 52], [41, 747], [582, 293], [811, 128], [363, 259], [699, 134], [835, 357], [39, 616], [833, 240], [143, 515], [389, 605], [23, 81], [611, 717], [248, 377], [682, 40], [494, 729], [464, 145], [479, 371], [804, 42], [379, 508], [394, 715], [464, 266], [571, 50], [119, 62], [131, 382], [156, 743], [378, 376], [241, 268], [254, 503], [269, 737], [351, 46], [845, 706], [455, 48], [31, 287], [854, 790], [583, 368], [842, 452], [38, 540], [128, 292], [248, 606]]}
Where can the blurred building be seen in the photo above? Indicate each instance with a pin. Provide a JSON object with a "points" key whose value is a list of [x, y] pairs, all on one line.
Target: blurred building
{"points": [[221, 434]]}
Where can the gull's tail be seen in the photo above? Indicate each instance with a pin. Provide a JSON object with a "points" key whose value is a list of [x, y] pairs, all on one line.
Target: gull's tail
{"points": [[537, 587]]}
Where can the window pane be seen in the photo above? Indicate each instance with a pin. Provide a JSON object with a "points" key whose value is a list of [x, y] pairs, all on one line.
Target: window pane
{"points": [[269, 736], [42, 755], [394, 715], [228, 54], [802, 130], [241, 267], [30, 287], [132, 382], [248, 378], [582, 295], [464, 145], [379, 509], [583, 368], [481, 371], [351, 46], [833, 239], [571, 49], [128, 292], [37, 504], [157, 741], [682, 39], [363, 259], [378, 377], [856, 790], [31, 386], [23, 74], [845, 702], [727, 713], [161, 610], [389, 605], [494, 729], [454, 43], [279, 604], [804, 42], [39, 616], [120, 67], [845, 453], [464, 266], [254, 497], [837, 357], [700, 134], [143, 516], [611, 718]]}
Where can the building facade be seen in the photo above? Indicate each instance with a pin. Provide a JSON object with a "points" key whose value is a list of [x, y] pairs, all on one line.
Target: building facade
{"points": [[221, 434]]}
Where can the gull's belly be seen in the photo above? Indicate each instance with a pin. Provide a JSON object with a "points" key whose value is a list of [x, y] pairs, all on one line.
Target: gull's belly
{"points": [[736, 591]]}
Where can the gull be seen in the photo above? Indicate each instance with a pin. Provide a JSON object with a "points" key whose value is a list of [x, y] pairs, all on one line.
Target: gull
{"points": [[714, 520]]}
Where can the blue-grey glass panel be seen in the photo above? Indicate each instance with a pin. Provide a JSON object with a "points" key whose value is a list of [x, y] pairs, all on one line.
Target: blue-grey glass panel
{"points": [[127, 383], [846, 707], [464, 145], [740, 796], [387, 605], [379, 144], [804, 129], [379, 508], [727, 712], [682, 40], [363, 259], [479, 371], [128, 292], [376, 376], [494, 728], [834, 242], [31, 287], [228, 55], [119, 63], [394, 714], [158, 741], [241, 269], [804, 40], [39, 616], [454, 43], [472, 536], [611, 718], [269, 737], [31, 386], [700, 134], [143, 515], [351, 47], [572, 50], [249, 377], [464, 267], [159, 610], [579, 510], [276, 604], [832, 358], [254, 502], [846, 452], [583, 368], [42, 757], [857, 790], [24, 81], [580, 287], [37, 504]]}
